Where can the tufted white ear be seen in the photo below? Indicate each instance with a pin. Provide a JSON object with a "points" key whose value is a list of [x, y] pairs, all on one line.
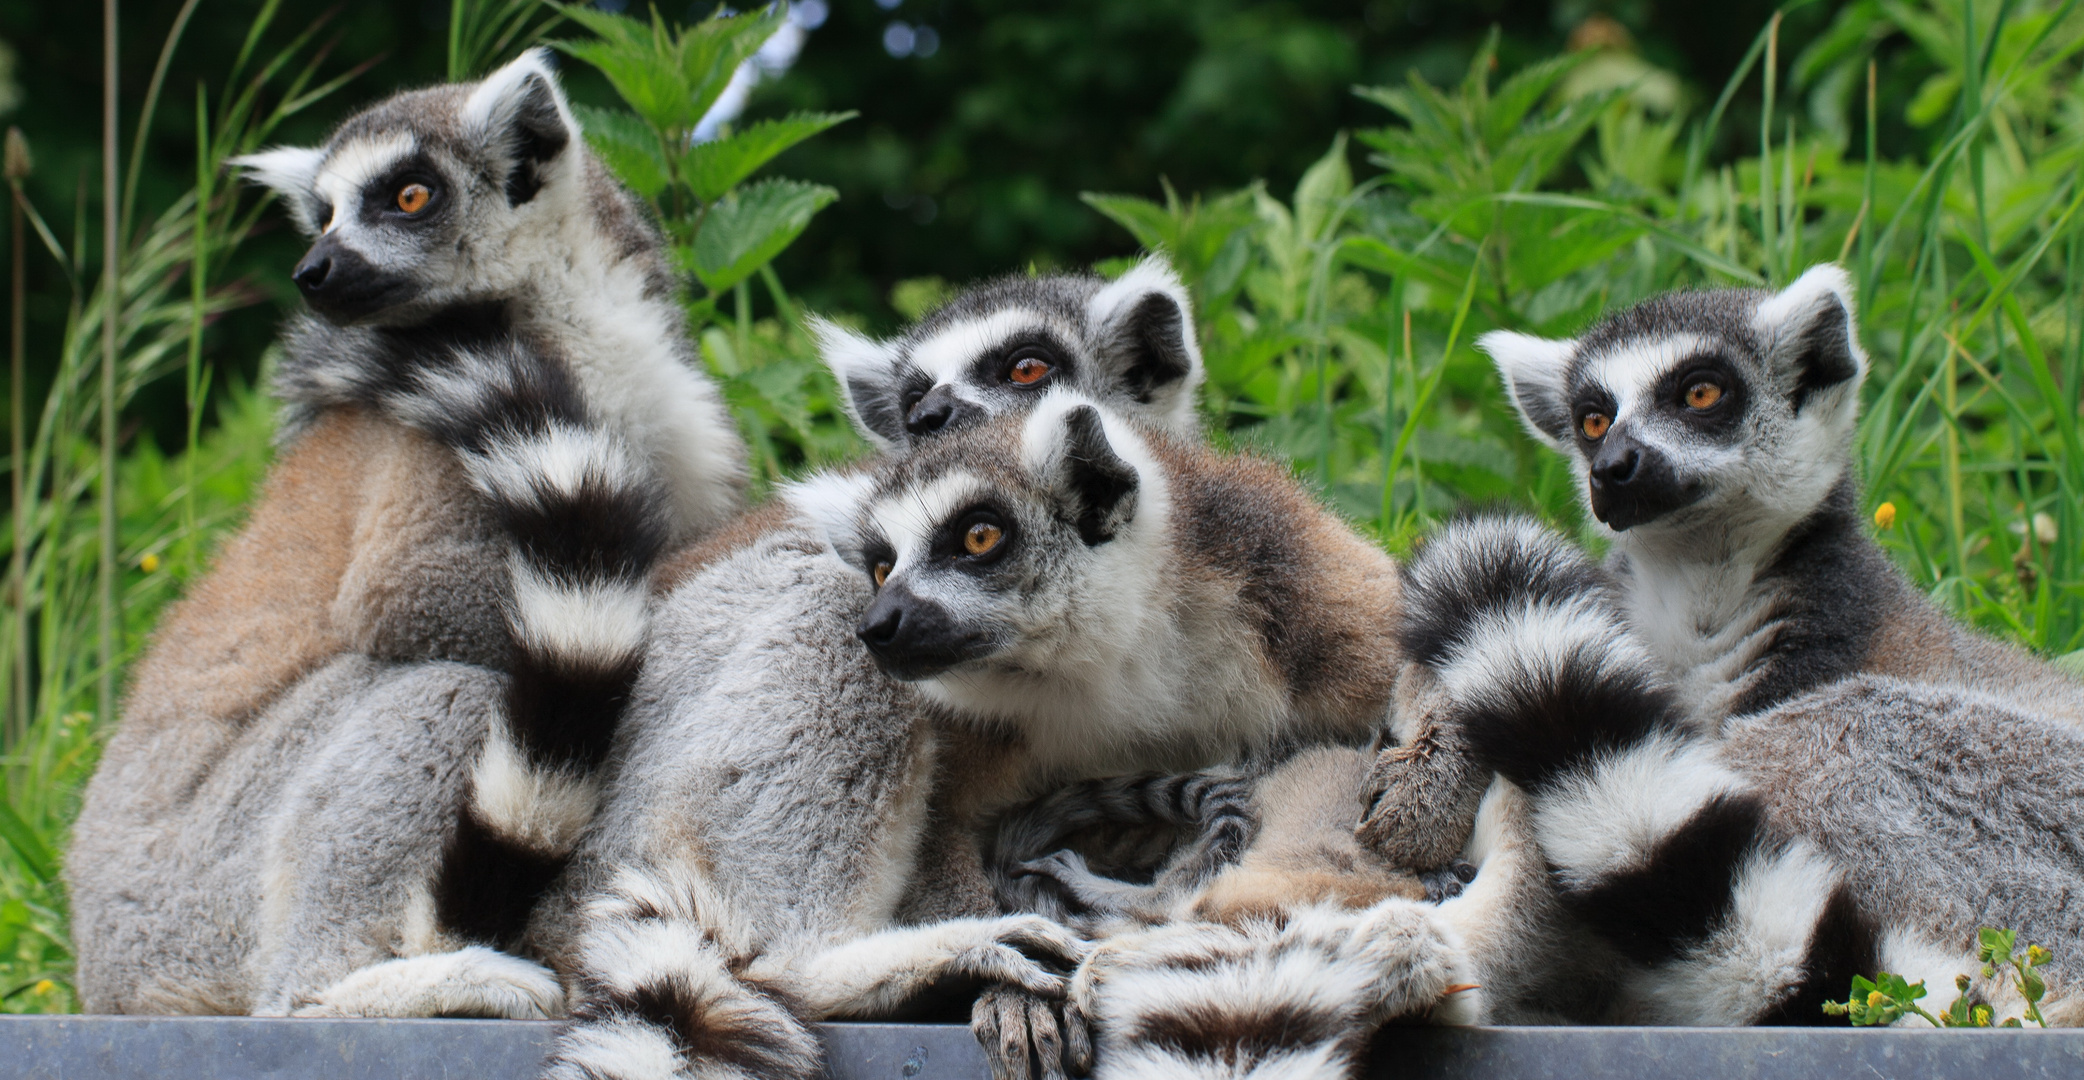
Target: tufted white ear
{"points": [[866, 370], [1534, 370], [1093, 461], [290, 172], [1144, 322], [833, 500], [520, 116], [1812, 339]]}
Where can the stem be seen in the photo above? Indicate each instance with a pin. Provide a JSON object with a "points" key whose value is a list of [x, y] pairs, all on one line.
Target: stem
{"points": [[1768, 213], [17, 570], [198, 272], [112, 308]]}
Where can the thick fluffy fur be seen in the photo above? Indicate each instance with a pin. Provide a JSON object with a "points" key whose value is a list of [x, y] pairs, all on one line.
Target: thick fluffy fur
{"points": [[898, 798], [1293, 999], [437, 601], [1744, 876]]}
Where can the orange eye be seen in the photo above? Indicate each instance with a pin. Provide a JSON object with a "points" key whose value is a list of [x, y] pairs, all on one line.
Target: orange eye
{"points": [[1703, 395], [1594, 425], [881, 573], [412, 198], [982, 537], [1028, 370]]}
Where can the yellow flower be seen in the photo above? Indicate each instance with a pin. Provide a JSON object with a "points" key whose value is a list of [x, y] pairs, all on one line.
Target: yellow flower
{"points": [[1885, 516], [42, 987], [1874, 999], [2036, 955], [149, 563]]}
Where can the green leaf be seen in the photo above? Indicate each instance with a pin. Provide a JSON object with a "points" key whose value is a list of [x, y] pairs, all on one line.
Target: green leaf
{"points": [[1319, 192], [1995, 946], [670, 75], [36, 856], [627, 146], [745, 230], [715, 167], [1148, 222]]}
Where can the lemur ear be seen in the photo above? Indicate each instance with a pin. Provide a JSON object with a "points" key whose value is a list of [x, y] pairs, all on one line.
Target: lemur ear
{"points": [[833, 500], [868, 381], [520, 116], [1095, 485], [1534, 370], [1812, 342], [290, 172], [1143, 324]]}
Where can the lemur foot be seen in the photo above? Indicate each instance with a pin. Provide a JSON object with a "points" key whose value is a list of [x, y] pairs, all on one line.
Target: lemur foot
{"points": [[1447, 882]]}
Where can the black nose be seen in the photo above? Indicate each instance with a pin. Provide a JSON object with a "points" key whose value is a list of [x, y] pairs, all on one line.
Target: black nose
{"points": [[880, 629], [932, 413], [915, 638], [1617, 466], [311, 274]]}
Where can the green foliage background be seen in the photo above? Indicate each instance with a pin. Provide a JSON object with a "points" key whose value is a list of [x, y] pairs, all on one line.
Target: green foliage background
{"points": [[1354, 192]]}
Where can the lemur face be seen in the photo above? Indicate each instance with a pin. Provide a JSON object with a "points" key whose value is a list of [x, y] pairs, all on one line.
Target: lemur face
{"points": [[985, 546], [1128, 343], [416, 203], [1695, 407]]}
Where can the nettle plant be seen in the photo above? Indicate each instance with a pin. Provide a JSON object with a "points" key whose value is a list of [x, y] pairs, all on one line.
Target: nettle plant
{"points": [[724, 228]]}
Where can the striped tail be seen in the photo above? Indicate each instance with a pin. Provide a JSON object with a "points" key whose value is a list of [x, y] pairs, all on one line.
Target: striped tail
{"points": [[581, 510], [1654, 845], [1213, 809], [662, 997], [1291, 1001]]}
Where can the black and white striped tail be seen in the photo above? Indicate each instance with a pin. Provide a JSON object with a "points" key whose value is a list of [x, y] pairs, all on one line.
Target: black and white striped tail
{"points": [[662, 997], [1654, 844], [1212, 809], [1267, 1001], [581, 510]]}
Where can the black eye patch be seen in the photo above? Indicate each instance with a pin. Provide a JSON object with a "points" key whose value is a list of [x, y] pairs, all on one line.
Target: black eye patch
{"points": [[379, 197], [992, 366], [1673, 394]]}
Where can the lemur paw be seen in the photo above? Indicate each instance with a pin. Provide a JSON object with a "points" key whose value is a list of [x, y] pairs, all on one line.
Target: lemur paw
{"points": [[1447, 882], [1026, 951], [474, 981], [1026, 1037]]}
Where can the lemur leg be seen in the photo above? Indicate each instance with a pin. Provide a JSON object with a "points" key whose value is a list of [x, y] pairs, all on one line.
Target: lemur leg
{"points": [[473, 981], [363, 824], [1098, 897], [1420, 803], [873, 975], [1195, 1000]]}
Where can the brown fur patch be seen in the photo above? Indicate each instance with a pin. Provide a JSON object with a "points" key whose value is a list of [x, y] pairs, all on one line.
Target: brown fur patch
{"points": [[262, 617], [1319, 595], [735, 536]]}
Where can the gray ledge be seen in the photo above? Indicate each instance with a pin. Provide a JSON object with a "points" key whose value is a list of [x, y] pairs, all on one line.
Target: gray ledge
{"points": [[239, 1048]]}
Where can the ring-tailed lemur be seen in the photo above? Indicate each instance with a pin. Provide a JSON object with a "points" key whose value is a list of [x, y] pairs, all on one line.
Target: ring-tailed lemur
{"points": [[1129, 342], [1079, 594], [368, 737], [1762, 636], [1743, 876]]}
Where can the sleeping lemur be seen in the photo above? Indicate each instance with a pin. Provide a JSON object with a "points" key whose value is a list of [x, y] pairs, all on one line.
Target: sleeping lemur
{"points": [[360, 748], [1057, 594]]}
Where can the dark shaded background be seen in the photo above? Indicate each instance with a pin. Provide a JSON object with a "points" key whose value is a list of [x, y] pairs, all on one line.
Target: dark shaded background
{"points": [[965, 162]]}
